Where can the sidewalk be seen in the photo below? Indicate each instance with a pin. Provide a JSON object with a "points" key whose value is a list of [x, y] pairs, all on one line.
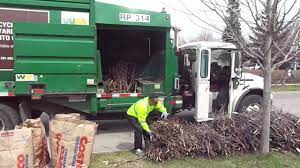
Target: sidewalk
{"points": [[288, 84]]}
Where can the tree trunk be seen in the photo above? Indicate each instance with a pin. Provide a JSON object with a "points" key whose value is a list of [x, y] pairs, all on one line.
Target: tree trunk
{"points": [[267, 105], [265, 139], [285, 75]]}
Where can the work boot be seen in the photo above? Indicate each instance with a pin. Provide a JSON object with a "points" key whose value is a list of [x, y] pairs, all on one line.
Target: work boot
{"points": [[139, 152]]}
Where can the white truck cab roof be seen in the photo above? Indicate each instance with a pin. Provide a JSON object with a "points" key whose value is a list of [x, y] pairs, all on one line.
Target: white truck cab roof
{"points": [[208, 44]]}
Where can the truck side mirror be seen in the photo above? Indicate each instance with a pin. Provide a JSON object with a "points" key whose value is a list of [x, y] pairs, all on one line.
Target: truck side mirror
{"points": [[179, 53], [192, 57], [236, 82], [238, 71]]}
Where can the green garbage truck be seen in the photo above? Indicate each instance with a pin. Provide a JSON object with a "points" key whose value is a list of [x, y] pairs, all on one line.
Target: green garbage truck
{"points": [[62, 56]]}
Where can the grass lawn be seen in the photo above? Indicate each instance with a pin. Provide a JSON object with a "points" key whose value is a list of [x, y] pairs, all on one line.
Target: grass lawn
{"points": [[128, 160], [286, 88]]}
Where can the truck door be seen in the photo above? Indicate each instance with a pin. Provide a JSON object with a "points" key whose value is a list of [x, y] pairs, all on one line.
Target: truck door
{"points": [[54, 57], [202, 88], [235, 78]]}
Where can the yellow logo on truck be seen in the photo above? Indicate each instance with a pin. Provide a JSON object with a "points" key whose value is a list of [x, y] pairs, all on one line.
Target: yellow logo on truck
{"points": [[75, 18], [80, 21], [26, 77]]}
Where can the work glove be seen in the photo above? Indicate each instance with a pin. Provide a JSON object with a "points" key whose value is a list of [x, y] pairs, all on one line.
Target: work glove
{"points": [[164, 115], [152, 136]]}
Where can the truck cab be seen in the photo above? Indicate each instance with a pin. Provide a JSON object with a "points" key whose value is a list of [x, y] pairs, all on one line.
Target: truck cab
{"points": [[212, 80]]}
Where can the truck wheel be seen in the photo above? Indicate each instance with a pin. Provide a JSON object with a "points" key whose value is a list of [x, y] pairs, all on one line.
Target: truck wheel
{"points": [[174, 112], [36, 114], [9, 117], [250, 103]]}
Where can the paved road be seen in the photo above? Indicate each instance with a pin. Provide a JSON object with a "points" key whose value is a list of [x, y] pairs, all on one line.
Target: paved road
{"points": [[118, 135], [288, 102]]}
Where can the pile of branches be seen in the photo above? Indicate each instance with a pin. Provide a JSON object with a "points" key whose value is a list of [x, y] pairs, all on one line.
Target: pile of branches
{"points": [[121, 78], [224, 136]]}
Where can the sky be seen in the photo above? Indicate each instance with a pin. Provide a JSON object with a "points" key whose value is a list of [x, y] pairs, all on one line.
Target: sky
{"points": [[191, 26]]}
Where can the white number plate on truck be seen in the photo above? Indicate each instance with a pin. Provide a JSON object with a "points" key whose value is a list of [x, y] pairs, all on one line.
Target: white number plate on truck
{"points": [[132, 17]]}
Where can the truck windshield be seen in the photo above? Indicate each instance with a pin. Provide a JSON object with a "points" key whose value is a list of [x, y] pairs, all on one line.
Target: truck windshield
{"points": [[222, 56], [191, 54], [220, 67]]}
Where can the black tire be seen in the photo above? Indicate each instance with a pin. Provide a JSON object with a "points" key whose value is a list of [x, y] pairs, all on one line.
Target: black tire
{"points": [[9, 117], [36, 114], [173, 112], [45, 120], [249, 101]]}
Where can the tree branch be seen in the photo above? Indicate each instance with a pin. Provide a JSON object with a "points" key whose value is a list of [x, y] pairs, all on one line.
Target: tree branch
{"points": [[286, 60], [251, 53], [295, 17], [197, 17], [294, 35], [255, 18]]}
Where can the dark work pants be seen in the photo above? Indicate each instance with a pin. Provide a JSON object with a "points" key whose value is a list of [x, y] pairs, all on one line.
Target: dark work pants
{"points": [[139, 133]]}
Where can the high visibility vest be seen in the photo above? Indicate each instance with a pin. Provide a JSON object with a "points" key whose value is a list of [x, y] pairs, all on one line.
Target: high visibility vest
{"points": [[141, 110]]}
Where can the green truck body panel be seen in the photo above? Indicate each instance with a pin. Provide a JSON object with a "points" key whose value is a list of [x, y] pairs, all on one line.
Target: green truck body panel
{"points": [[2, 87], [54, 17], [7, 76], [110, 14], [71, 49], [54, 7], [171, 67], [118, 103], [64, 59]]}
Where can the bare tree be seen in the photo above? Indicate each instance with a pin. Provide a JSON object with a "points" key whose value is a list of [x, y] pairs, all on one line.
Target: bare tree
{"points": [[204, 36], [181, 40], [269, 54]]}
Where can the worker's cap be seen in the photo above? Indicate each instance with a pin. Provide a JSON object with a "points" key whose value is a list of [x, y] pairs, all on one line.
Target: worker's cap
{"points": [[154, 95]]}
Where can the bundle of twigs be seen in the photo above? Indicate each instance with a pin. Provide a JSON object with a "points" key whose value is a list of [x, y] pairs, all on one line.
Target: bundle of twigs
{"points": [[285, 132], [121, 78], [223, 136]]}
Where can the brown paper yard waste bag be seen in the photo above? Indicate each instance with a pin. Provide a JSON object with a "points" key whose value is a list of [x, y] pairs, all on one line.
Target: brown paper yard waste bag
{"points": [[75, 116], [16, 149], [39, 141], [71, 142]]}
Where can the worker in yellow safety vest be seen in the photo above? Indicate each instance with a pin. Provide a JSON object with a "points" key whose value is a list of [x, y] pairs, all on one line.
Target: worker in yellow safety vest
{"points": [[137, 115]]}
